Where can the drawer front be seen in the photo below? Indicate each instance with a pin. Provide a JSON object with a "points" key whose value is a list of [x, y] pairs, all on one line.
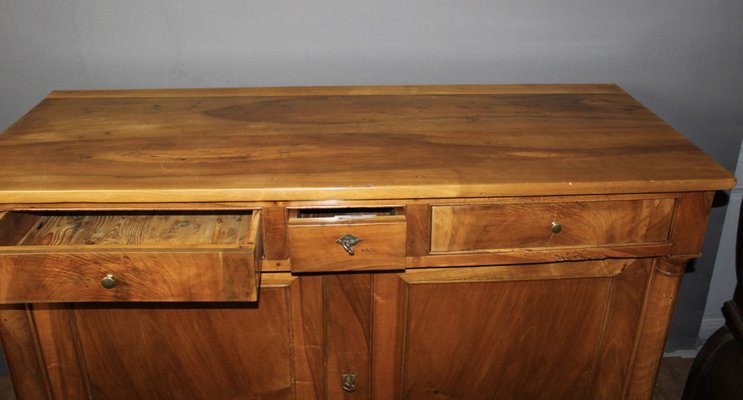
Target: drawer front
{"points": [[129, 256], [457, 228], [116, 276], [315, 248]]}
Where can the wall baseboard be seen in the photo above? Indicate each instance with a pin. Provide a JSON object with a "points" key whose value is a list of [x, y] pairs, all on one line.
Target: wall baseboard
{"points": [[709, 325], [686, 353]]}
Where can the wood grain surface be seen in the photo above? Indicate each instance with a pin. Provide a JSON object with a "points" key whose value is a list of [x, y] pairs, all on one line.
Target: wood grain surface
{"points": [[150, 276], [313, 248], [543, 331], [185, 229], [20, 345], [363, 143], [212, 351], [458, 228], [348, 308], [466, 341], [119, 229]]}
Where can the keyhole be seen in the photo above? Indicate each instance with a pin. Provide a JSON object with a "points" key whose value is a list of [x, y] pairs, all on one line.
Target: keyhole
{"points": [[349, 382]]}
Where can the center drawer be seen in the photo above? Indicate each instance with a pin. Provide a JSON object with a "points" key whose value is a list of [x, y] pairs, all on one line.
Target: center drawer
{"points": [[76, 256], [347, 239]]}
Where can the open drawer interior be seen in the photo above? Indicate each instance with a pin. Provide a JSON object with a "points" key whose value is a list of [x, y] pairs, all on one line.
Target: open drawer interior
{"points": [[151, 229]]}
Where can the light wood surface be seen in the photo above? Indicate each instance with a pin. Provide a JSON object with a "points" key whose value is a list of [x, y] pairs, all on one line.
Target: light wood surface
{"points": [[155, 230], [363, 143]]}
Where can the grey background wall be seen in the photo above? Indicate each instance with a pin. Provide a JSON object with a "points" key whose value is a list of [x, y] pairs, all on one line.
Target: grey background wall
{"points": [[682, 58]]}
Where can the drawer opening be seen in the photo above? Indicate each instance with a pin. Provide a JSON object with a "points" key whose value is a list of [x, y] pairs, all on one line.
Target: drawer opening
{"points": [[346, 214], [147, 228]]}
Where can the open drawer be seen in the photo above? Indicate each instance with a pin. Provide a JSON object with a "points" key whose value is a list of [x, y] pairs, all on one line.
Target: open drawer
{"points": [[347, 239], [163, 255]]}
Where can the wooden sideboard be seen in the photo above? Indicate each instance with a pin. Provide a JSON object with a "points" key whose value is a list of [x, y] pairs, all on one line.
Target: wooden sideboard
{"points": [[435, 242]]}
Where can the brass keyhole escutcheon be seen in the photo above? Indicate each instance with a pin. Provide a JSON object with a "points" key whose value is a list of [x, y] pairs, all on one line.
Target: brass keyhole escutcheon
{"points": [[556, 227], [347, 241], [108, 281], [349, 382]]}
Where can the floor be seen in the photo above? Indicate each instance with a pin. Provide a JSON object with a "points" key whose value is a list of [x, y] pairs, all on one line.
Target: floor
{"points": [[6, 389], [670, 384], [671, 378]]}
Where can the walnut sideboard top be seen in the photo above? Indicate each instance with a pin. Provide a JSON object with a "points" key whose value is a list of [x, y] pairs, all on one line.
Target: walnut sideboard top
{"points": [[345, 143]]}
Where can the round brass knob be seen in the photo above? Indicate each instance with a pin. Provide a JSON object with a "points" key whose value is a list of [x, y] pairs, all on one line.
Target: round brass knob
{"points": [[108, 281], [556, 227]]}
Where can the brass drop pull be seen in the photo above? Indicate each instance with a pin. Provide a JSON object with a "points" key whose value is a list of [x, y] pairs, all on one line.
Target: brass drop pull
{"points": [[108, 281], [348, 241], [556, 227], [349, 382]]}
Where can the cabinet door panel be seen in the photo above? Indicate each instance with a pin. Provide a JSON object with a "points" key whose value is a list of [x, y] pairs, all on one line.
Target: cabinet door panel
{"points": [[506, 339], [348, 326], [189, 351], [511, 332]]}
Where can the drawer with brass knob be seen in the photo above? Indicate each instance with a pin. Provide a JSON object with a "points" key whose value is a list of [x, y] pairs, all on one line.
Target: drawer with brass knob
{"points": [[483, 227], [77, 256], [347, 239]]}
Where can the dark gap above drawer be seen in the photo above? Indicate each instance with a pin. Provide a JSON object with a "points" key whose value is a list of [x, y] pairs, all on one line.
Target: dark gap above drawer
{"points": [[131, 228], [345, 213]]}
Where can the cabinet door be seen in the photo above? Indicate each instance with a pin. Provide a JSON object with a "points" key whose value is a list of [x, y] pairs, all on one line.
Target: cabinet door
{"points": [[549, 331], [184, 350]]}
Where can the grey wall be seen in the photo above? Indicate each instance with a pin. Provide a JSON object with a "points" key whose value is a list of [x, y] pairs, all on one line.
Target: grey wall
{"points": [[682, 58]]}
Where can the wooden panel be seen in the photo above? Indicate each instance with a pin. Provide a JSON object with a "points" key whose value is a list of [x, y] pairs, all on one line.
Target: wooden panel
{"points": [[219, 351], [14, 226], [658, 310], [690, 223], [503, 339], [20, 344], [309, 344], [418, 217], [154, 276], [313, 248], [458, 142], [59, 351], [388, 333], [478, 227], [348, 328], [563, 270], [622, 331], [538, 255], [274, 233], [157, 229]]}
